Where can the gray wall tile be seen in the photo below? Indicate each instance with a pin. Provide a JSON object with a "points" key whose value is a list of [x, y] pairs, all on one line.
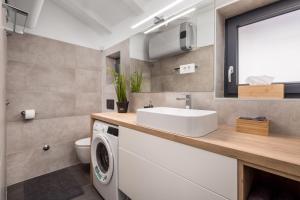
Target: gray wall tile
{"points": [[16, 75], [284, 114], [23, 48], [51, 79], [88, 103], [51, 53], [23, 135], [46, 104], [25, 142], [62, 82], [87, 58], [35, 162], [200, 81], [108, 91], [88, 81], [145, 68], [2, 106]]}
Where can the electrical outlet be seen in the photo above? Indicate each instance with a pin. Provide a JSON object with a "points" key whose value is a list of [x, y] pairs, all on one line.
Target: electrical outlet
{"points": [[188, 68]]}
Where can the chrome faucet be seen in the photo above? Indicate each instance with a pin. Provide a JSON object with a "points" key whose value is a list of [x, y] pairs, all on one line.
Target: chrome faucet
{"points": [[188, 101]]}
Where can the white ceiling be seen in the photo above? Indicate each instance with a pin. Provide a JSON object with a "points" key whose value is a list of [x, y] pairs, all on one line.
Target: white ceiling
{"points": [[109, 19], [103, 15], [112, 11]]}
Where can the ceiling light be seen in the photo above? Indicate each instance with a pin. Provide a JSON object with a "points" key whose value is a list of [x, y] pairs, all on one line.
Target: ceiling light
{"points": [[157, 13], [170, 19]]}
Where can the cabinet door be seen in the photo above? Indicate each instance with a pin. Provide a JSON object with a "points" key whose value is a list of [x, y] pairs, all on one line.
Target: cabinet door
{"points": [[212, 171], [141, 179]]}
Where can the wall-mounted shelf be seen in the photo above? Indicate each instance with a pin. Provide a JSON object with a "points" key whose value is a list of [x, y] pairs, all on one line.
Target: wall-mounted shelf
{"points": [[12, 16]]}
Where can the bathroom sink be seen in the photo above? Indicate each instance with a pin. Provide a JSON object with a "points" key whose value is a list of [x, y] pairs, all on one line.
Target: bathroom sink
{"points": [[187, 122]]}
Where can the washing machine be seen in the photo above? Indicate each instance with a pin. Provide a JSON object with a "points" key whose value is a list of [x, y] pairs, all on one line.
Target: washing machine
{"points": [[104, 159]]}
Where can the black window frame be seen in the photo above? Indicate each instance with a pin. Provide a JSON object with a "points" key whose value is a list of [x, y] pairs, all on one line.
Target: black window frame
{"points": [[292, 89]]}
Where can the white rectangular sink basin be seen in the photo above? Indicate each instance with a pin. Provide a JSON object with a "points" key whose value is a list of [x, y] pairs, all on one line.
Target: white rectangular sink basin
{"points": [[187, 122]]}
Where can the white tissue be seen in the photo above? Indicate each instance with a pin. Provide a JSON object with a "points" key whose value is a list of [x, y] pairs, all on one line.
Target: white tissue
{"points": [[260, 80], [29, 114]]}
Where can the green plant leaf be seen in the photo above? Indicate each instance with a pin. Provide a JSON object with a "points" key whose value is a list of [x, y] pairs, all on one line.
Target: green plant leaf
{"points": [[120, 86], [136, 80]]}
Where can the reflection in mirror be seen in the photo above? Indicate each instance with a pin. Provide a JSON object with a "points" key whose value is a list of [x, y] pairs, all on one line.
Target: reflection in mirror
{"points": [[113, 64], [177, 57]]}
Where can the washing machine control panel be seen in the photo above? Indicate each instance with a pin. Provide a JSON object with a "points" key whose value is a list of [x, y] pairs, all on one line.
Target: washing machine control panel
{"points": [[101, 127]]}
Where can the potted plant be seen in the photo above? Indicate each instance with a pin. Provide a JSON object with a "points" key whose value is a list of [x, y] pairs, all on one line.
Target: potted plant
{"points": [[136, 81], [120, 87]]}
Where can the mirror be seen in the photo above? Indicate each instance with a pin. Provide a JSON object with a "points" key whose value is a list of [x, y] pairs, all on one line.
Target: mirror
{"points": [[113, 62], [177, 57]]}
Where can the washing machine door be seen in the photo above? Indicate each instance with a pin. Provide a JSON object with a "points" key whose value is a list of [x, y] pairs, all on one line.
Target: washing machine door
{"points": [[102, 159]]}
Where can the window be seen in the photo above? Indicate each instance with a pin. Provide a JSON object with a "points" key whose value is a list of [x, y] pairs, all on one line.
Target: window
{"points": [[265, 41]]}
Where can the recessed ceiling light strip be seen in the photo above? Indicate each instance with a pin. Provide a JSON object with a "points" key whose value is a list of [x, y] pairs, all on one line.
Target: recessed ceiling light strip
{"points": [[170, 19], [157, 13]]}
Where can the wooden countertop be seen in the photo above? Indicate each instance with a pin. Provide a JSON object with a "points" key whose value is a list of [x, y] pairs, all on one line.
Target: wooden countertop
{"points": [[276, 152]]}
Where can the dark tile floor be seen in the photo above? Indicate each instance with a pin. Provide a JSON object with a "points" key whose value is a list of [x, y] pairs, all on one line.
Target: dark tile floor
{"points": [[72, 183]]}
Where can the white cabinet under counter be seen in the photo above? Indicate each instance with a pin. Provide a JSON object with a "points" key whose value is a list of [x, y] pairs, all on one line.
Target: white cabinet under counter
{"points": [[156, 164], [151, 167]]}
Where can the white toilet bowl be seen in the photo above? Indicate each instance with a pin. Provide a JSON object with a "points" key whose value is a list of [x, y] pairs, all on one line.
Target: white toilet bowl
{"points": [[83, 150]]}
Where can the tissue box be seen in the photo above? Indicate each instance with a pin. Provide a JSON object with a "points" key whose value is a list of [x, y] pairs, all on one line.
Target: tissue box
{"points": [[253, 126], [274, 91]]}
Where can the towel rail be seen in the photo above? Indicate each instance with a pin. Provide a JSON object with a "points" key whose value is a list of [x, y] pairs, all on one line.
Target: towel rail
{"points": [[15, 11]]}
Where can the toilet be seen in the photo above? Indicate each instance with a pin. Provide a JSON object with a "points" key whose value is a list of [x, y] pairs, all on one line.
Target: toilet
{"points": [[83, 150]]}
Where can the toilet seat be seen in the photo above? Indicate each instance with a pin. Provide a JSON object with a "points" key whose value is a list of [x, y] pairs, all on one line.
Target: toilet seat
{"points": [[85, 142], [83, 150]]}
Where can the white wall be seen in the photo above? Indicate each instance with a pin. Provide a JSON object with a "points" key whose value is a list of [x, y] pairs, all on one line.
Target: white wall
{"points": [[220, 3], [205, 27], [138, 47], [56, 23]]}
